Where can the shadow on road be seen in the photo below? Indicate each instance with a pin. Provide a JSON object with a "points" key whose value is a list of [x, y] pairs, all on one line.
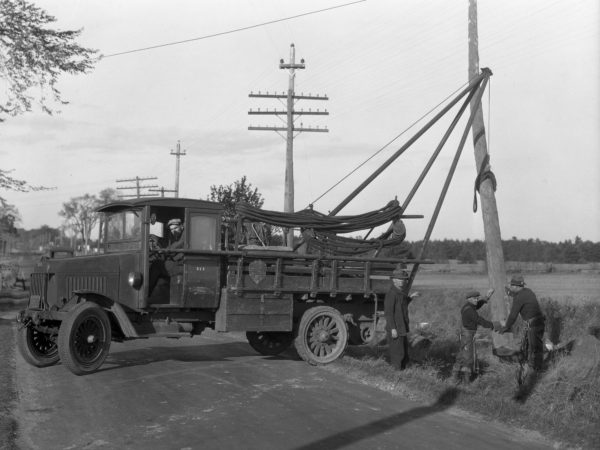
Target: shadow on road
{"points": [[196, 353], [340, 440]]}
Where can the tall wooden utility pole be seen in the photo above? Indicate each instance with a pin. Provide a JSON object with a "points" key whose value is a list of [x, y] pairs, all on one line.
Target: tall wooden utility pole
{"points": [[489, 210], [290, 129], [177, 154]]}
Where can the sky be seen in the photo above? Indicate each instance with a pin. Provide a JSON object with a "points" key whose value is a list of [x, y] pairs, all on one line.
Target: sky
{"points": [[383, 64]]}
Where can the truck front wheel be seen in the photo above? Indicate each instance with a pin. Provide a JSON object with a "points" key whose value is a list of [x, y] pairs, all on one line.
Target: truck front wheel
{"points": [[84, 338], [322, 335], [269, 343], [37, 348]]}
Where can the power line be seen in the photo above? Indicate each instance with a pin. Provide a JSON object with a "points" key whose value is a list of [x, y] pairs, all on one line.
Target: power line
{"points": [[232, 31], [388, 144]]}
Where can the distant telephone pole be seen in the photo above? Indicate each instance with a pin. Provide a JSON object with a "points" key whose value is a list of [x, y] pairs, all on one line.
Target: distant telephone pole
{"points": [[177, 154], [138, 187], [290, 128], [162, 190]]}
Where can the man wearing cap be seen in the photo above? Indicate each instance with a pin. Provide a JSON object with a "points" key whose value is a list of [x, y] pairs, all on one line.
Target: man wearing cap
{"points": [[466, 361], [170, 265], [525, 303], [396, 318], [175, 242]]}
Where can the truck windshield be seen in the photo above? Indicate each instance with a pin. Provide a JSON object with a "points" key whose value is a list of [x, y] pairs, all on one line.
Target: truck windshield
{"points": [[124, 231]]}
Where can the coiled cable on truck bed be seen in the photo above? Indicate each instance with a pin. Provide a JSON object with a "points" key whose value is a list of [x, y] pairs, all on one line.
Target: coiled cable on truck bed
{"points": [[311, 219], [327, 243], [319, 231]]}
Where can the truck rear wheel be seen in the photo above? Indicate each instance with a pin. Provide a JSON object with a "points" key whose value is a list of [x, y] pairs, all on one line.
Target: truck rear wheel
{"points": [[269, 343], [322, 335], [37, 348], [84, 338]]}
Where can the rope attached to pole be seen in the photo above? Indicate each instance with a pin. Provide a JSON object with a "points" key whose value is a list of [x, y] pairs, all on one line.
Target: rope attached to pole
{"points": [[485, 173]]}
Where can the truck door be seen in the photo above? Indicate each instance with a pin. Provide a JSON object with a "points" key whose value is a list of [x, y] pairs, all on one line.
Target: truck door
{"points": [[202, 272]]}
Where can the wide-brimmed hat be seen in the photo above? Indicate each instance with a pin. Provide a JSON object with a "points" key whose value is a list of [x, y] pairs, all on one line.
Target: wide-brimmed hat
{"points": [[517, 280], [471, 294]]}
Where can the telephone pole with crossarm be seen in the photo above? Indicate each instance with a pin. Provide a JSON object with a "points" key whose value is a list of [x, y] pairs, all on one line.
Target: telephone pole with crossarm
{"points": [[290, 129]]}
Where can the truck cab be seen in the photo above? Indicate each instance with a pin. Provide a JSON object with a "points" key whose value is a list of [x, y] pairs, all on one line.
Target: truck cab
{"points": [[136, 233], [78, 304]]}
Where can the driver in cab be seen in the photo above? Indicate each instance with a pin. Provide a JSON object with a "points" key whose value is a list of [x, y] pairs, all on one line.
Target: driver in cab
{"points": [[171, 264]]}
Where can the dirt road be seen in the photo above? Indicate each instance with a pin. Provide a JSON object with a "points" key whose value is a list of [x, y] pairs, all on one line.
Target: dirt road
{"points": [[214, 392]]}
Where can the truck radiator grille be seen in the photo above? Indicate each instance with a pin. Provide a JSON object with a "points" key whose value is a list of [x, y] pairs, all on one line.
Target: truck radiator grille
{"points": [[37, 284], [92, 283]]}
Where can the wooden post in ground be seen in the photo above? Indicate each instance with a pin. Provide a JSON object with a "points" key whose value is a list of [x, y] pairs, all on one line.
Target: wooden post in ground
{"points": [[489, 211]]}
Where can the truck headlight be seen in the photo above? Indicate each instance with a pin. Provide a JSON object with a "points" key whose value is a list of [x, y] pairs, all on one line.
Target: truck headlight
{"points": [[135, 280]]}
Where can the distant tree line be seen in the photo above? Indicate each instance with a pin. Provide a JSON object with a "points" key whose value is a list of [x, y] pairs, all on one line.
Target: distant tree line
{"points": [[523, 250]]}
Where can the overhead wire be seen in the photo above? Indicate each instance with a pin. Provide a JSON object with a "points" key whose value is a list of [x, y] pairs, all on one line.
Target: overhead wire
{"points": [[389, 143], [236, 30]]}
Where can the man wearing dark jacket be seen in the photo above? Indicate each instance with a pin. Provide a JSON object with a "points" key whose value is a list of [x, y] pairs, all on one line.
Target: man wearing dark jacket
{"points": [[465, 367], [170, 264], [396, 318], [526, 304]]}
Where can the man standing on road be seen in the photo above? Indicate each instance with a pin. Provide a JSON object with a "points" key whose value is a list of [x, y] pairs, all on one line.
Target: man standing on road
{"points": [[525, 303], [396, 318], [465, 368]]}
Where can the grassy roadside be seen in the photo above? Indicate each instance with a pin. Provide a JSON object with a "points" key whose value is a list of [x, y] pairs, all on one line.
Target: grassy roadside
{"points": [[563, 404]]}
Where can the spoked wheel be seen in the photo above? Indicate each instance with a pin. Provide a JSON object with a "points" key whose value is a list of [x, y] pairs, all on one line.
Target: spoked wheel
{"points": [[269, 343], [37, 348], [84, 339], [322, 335], [366, 332]]}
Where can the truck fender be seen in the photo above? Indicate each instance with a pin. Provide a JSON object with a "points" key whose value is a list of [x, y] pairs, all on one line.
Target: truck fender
{"points": [[114, 309]]}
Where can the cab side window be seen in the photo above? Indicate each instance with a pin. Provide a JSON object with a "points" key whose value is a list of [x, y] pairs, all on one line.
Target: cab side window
{"points": [[203, 232]]}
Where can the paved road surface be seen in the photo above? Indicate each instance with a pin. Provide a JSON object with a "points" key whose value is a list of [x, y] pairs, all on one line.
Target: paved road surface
{"points": [[214, 392]]}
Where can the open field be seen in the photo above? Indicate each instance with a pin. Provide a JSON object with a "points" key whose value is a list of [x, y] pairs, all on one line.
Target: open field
{"points": [[559, 286]]}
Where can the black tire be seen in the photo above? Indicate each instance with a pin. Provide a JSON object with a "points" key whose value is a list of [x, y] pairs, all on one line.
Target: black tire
{"points": [[322, 335], [84, 338], [269, 343], [37, 348]]}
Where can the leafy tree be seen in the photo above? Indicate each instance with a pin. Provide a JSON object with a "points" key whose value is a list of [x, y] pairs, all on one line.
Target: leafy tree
{"points": [[242, 191], [239, 191], [8, 183], [80, 215], [107, 195], [9, 217], [33, 55]]}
